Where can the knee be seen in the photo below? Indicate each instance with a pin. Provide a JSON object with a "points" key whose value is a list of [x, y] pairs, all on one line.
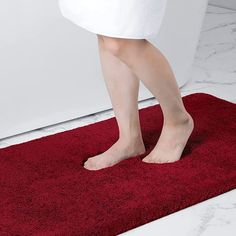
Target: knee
{"points": [[115, 45]]}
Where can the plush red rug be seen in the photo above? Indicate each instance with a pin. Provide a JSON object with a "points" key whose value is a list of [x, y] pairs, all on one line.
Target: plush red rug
{"points": [[45, 190]]}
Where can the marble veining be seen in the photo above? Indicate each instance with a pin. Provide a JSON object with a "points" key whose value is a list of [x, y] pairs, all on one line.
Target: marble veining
{"points": [[215, 61], [213, 72]]}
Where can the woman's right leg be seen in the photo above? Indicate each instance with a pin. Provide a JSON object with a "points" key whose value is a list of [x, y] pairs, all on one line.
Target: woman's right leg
{"points": [[122, 86]]}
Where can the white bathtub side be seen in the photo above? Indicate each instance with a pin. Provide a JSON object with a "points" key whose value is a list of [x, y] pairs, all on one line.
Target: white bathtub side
{"points": [[50, 70]]}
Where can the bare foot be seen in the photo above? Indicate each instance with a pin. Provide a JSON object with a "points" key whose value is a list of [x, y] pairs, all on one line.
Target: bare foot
{"points": [[171, 142], [119, 151]]}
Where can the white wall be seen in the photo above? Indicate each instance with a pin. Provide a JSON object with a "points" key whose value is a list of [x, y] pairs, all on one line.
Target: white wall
{"points": [[50, 70], [224, 3]]}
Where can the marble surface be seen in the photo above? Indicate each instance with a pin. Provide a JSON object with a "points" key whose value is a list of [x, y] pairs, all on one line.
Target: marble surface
{"points": [[213, 72]]}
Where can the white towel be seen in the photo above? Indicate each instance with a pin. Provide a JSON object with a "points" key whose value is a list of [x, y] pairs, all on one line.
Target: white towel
{"points": [[135, 19]]}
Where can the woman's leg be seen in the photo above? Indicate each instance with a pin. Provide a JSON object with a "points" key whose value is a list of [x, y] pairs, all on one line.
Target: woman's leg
{"points": [[150, 66], [123, 88]]}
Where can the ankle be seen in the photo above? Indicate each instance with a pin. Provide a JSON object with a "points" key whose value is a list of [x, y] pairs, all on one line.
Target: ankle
{"points": [[131, 140], [183, 118]]}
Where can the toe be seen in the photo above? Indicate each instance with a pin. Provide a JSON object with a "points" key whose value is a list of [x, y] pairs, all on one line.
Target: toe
{"points": [[91, 165], [163, 161], [88, 165], [160, 161], [85, 164], [171, 161], [146, 159]]}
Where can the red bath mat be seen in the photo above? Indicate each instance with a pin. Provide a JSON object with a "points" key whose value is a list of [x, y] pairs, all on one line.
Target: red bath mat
{"points": [[45, 190]]}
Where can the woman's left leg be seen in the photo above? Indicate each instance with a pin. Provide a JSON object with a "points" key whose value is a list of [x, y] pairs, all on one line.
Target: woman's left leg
{"points": [[151, 66]]}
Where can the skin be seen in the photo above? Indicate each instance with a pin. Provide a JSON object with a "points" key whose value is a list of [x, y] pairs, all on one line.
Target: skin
{"points": [[124, 63]]}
